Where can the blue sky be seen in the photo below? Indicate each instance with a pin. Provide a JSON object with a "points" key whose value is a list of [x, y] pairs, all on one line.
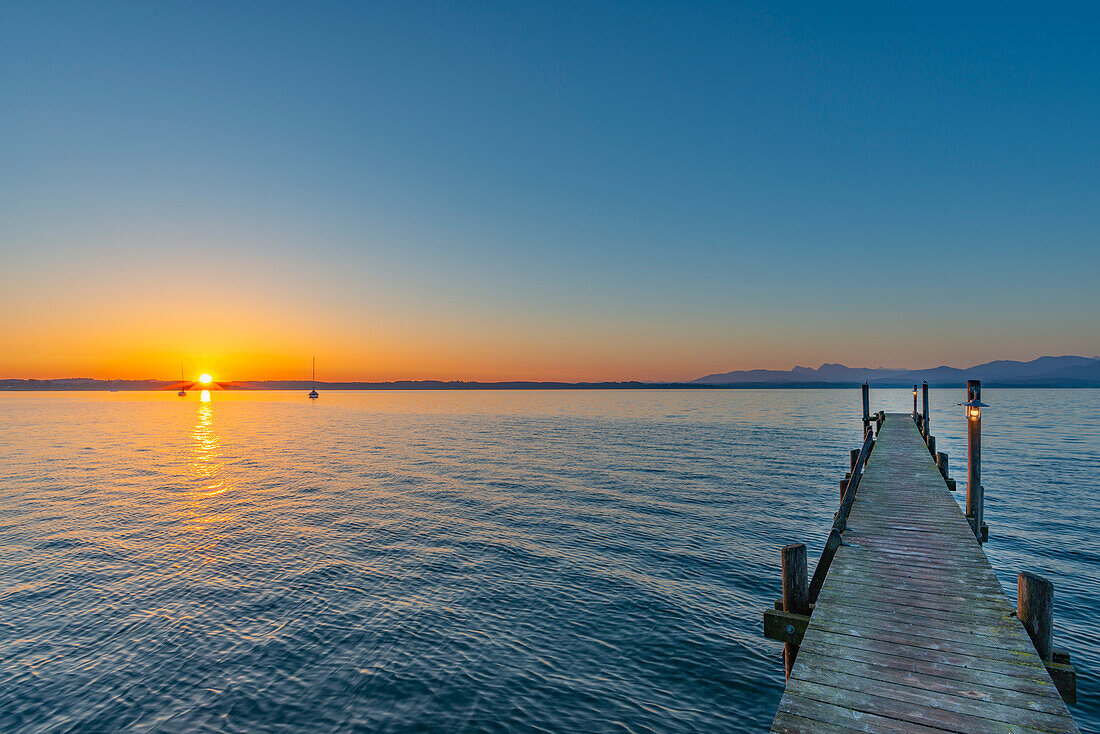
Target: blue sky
{"points": [[559, 191]]}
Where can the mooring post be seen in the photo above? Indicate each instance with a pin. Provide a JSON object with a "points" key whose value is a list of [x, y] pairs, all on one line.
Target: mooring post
{"points": [[1035, 608], [941, 462], [924, 413], [914, 402], [975, 496], [932, 446], [796, 597], [866, 407], [851, 473]]}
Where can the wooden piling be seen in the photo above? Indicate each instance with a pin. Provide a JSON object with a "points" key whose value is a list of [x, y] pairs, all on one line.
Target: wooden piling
{"points": [[975, 495], [795, 593], [941, 462], [932, 446], [855, 458], [866, 406], [924, 412], [1035, 608]]}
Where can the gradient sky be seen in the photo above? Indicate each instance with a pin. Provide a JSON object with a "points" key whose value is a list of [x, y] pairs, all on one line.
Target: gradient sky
{"points": [[554, 191]]}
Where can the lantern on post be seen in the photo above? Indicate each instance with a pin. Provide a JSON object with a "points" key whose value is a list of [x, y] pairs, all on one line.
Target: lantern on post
{"points": [[975, 493], [974, 409]]}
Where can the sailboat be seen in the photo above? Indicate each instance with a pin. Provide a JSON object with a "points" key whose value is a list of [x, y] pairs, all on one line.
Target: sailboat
{"points": [[313, 395], [182, 393]]}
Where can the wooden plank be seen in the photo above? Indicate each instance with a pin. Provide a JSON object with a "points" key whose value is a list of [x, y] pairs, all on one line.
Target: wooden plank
{"points": [[880, 595], [880, 563], [912, 631], [928, 578], [843, 645], [1007, 690], [858, 573], [846, 716], [939, 716], [998, 638], [947, 698], [894, 611], [957, 654], [1030, 683], [795, 724], [784, 626], [903, 618]]}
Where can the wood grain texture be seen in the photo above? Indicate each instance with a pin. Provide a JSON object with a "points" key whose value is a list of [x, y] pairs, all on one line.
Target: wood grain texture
{"points": [[912, 632]]}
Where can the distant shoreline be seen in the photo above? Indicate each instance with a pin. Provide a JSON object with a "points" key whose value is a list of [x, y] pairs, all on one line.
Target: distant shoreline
{"points": [[1049, 372], [82, 385]]}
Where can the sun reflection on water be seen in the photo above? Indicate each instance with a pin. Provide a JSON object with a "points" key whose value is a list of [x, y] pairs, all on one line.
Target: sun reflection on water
{"points": [[206, 468], [206, 449]]}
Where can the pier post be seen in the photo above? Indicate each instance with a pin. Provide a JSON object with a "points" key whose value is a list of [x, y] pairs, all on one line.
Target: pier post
{"points": [[975, 495], [866, 407], [924, 413], [796, 596], [914, 401], [941, 462], [932, 446], [855, 458], [1035, 608]]}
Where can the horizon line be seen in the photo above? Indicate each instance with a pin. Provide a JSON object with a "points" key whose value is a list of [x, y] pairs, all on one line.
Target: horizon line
{"points": [[452, 380]]}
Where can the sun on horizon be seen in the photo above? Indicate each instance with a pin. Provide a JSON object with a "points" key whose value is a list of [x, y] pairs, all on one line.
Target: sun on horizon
{"points": [[205, 378]]}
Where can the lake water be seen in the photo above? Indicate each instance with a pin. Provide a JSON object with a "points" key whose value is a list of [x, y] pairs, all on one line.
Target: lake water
{"points": [[552, 561]]}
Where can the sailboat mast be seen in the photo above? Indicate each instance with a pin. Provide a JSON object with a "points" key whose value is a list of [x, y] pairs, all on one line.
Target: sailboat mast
{"points": [[313, 393]]}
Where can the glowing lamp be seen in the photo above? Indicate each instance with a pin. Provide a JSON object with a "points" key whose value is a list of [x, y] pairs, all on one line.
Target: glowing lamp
{"points": [[974, 409]]}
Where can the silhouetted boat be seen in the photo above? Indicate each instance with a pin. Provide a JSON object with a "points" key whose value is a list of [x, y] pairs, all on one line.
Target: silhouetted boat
{"points": [[313, 394], [182, 393]]}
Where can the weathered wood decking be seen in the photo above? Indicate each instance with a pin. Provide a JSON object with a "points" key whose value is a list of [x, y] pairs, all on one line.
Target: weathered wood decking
{"points": [[912, 632]]}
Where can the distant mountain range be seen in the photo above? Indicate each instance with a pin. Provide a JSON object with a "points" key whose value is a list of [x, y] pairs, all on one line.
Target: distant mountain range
{"points": [[1041, 372]]}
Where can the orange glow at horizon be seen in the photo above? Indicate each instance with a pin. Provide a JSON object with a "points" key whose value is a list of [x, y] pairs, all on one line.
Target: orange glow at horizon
{"points": [[205, 379], [232, 326]]}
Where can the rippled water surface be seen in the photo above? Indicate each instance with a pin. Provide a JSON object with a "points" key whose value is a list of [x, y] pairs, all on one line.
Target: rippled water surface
{"points": [[557, 561]]}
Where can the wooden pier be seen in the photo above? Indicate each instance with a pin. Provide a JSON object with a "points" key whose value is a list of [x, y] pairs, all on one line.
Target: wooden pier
{"points": [[905, 627]]}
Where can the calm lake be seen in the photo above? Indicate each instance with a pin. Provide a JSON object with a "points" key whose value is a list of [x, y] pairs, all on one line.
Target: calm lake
{"points": [[552, 561]]}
